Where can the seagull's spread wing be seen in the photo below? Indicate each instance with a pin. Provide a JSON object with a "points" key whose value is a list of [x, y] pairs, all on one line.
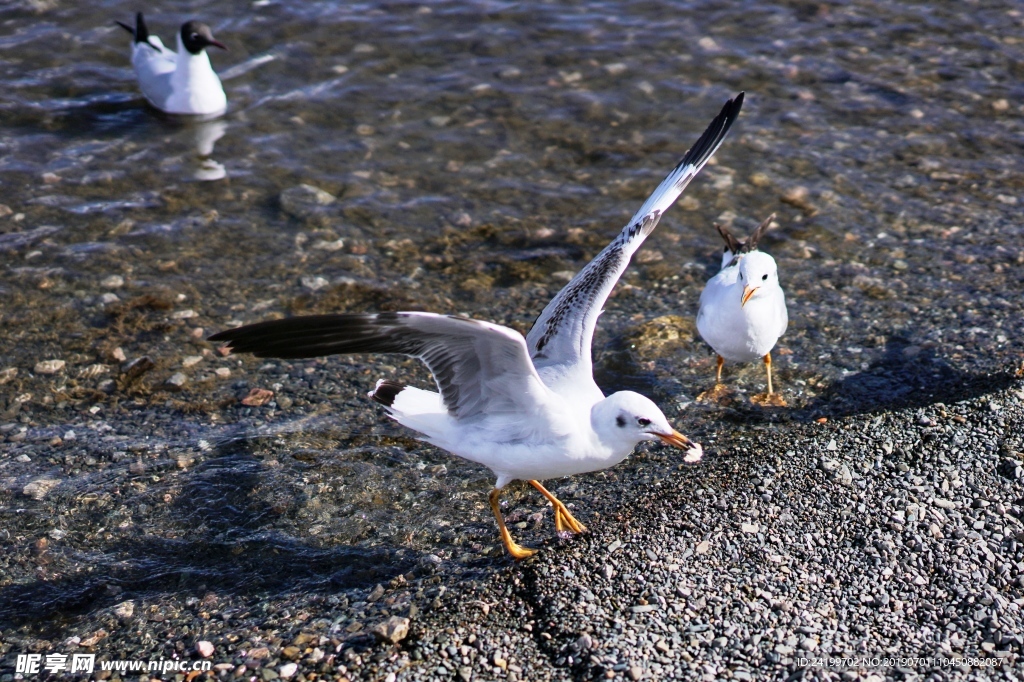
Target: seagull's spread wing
{"points": [[563, 333], [478, 367]]}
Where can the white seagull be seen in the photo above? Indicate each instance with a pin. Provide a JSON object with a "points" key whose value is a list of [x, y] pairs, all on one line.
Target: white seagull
{"points": [[743, 308], [527, 409], [181, 82]]}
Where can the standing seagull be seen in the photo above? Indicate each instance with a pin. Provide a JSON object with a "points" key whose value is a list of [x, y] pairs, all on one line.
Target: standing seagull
{"points": [[743, 309], [528, 409], [182, 82]]}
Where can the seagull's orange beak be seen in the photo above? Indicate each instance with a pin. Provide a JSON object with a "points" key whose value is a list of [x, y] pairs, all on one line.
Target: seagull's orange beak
{"points": [[675, 438], [748, 291], [693, 450]]}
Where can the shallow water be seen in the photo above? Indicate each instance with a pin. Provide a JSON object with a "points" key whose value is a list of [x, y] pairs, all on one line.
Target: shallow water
{"points": [[479, 152]]}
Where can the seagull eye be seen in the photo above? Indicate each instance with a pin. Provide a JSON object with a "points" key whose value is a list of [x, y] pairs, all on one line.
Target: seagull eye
{"points": [[764, 276], [643, 421], [194, 36]]}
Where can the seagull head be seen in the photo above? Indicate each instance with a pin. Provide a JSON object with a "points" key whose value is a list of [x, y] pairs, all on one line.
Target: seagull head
{"points": [[758, 275], [197, 36], [625, 418]]}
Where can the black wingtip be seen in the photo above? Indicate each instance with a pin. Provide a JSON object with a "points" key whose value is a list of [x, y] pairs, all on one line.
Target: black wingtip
{"points": [[714, 135], [385, 392]]}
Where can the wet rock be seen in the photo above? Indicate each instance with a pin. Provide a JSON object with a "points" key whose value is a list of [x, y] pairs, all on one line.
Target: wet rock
{"points": [[12, 241], [93, 639], [93, 371], [49, 366], [8, 374], [38, 488], [661, 336], [112, 282], [137, 367], [287, 670], [393, 630], [314, 282], [258, 397], [799, 197], [305, 201], [127, 608], [176, 381]]}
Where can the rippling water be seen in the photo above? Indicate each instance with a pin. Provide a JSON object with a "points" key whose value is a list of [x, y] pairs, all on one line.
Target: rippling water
{"points": [[479, 153]]}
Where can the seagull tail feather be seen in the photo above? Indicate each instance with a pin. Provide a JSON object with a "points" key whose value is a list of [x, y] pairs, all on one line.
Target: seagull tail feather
{"points": [[385, 392], [140, 33], [141, 30]]}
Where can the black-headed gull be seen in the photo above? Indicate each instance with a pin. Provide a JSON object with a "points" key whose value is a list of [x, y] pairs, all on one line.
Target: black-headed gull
{"points": [[181, 82], [527, 409], [743, 308]]}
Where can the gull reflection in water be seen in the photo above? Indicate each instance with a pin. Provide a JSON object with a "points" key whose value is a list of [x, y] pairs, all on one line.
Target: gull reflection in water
{"points": [[204, 135]]}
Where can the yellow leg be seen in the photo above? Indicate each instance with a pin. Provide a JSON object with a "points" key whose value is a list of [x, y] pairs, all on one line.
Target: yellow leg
{"points": [[563, 519], [515, 550], [718, 391], [771, 398]]}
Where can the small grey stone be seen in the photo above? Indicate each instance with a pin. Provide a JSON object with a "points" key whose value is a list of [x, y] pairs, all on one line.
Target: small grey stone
{"points": [[304, 201], [314, 282]]}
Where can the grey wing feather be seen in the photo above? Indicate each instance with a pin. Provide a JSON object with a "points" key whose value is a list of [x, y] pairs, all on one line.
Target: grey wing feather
{"points": [[478, 367], [563, 333]]}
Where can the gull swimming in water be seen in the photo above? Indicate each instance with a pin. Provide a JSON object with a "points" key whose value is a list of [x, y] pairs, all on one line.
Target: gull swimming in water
{"points": [[743, 308], [181, 82], [526, 408]]}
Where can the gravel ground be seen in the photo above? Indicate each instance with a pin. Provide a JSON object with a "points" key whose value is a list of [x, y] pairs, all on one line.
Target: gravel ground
{"points": [[895, 533]]}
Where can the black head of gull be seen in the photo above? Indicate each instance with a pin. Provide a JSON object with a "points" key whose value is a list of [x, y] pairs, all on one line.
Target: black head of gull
{"points": [[197, 36]]}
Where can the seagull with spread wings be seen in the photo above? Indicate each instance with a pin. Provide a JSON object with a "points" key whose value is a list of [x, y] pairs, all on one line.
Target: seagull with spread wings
{"points": [[527, 409]]}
